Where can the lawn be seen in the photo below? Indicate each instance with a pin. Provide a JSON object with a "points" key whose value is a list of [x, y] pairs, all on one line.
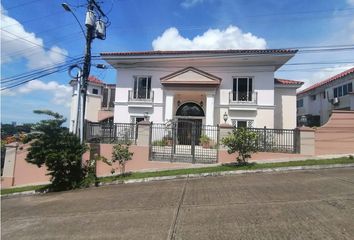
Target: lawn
{"points": [[221, 168]]}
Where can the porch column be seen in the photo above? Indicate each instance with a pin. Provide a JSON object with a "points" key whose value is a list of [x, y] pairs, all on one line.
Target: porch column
{"points": [[169, 106], [209, 116]]}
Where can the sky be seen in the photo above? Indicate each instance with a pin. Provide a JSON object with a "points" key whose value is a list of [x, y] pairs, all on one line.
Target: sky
{"points": [[40, 34]]}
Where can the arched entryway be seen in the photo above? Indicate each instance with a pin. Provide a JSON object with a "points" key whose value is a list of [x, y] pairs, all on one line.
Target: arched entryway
{"points": [[190, 119]]}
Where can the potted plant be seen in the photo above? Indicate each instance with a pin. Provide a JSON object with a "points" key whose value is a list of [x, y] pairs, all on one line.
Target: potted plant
{"points": [[204, 141]]}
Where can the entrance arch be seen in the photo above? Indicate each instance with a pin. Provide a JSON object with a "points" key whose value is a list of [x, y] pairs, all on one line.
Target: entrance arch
{"points": [[190, 109], [189, 123]]}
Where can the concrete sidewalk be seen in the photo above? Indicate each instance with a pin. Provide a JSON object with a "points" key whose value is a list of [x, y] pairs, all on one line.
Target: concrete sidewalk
{"points": [[314, 204]]}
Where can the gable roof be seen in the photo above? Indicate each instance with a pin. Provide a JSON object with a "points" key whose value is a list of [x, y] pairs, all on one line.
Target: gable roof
{"points": [[287, 82], [185, 52], [328, 80], [94, 79], [191, 76]]}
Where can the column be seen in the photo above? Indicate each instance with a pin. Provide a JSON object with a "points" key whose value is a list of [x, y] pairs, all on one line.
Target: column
{"points": [[169, 106], [209, 117]]}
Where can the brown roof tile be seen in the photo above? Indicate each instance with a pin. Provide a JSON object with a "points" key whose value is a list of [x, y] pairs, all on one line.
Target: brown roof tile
{"points": [[328, 80]]}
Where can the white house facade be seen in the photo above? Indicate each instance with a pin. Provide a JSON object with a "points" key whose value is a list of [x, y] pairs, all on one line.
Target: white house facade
{"points": [[318, 101], [204, 86]]}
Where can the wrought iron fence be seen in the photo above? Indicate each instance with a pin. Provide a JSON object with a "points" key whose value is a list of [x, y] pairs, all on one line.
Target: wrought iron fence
{"points": [[111, 133], [276, 140], [184, 141]]}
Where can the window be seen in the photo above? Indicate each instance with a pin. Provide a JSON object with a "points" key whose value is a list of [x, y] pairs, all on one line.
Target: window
{"points": [[324, 94], [313, 97], [343, 90], [95, 91], [242, 123], [142, 87], [242, 89], [340, 91], [105, 97], [300, 103]]}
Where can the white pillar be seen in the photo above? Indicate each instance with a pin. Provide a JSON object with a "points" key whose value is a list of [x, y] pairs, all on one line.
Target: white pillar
{"points": [[169, 106], [209, 117]]}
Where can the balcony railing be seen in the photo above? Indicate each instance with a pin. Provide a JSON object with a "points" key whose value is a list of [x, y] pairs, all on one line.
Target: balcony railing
{"points": [[149, 98], [236, 97]]}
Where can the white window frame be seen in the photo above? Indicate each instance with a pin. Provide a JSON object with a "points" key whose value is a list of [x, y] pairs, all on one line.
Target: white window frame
{"points": [[250, 122], [248, 88], [148, 94]]}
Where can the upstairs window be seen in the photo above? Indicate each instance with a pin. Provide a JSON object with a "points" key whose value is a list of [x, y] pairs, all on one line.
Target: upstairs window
{"points": [[95, 91], [300, 103], [343, 90], [142, 87], [242, 89]]}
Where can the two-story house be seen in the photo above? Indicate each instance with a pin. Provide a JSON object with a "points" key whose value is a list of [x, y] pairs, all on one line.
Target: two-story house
{"points": [[99, 101], [207, 87], [317, 101]]}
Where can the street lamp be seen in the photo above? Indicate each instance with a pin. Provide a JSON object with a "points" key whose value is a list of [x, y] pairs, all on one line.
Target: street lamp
{"points": [[225, 117], [68, 9]]}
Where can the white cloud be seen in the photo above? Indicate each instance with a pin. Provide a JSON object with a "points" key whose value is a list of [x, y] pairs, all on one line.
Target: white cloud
{"points": [[61, 93], [350, 2], [16, 44], [190, 3], [213, 39]]}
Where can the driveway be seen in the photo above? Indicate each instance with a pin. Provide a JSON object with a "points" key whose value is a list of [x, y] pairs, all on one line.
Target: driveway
{"points": [[295, 205]]}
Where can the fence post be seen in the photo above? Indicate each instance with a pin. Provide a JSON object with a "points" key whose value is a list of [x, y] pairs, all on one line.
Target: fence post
{"points": [[224, 130], [265, 138], [8, 174], [143, 133], [306, 141]]}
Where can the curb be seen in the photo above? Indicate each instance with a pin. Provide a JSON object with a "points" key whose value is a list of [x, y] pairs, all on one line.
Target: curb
{"points": [[201, 175]]}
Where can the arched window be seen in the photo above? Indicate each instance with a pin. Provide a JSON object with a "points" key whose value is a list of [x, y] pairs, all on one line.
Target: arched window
{"points": [[190, 109]]}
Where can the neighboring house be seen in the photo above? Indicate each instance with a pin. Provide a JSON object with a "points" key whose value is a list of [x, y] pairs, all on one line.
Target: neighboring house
{"points": [[317, 101], [99, 101], [204, 86]]}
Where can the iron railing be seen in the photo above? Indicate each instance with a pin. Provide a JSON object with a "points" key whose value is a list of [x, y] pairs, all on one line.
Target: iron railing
{"points": [[184, 141], [149, 98], [236, 97], [276, 140], [111, 133]]}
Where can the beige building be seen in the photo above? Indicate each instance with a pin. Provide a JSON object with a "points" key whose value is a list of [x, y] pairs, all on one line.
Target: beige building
{"points": [[318, 101], [99, 101]]}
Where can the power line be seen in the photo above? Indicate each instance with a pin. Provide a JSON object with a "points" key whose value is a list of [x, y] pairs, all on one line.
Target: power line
{"points": [[36, 44], [22, 4]]}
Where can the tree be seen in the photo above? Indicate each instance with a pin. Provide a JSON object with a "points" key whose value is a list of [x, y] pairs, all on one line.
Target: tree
{"points": [[60, 151], [120, 154], [242, 141]]}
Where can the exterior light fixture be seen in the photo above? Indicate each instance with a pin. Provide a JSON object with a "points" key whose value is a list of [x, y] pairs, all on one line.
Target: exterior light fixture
{"points": [[201, 103], [178, 102], [225, 117], [303, 120]]}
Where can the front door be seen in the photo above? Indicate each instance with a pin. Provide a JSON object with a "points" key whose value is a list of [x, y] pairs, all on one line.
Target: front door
{"points": [[188, 131]]}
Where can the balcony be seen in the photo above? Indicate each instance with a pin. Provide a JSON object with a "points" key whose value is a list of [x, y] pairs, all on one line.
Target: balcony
{"points": [[136, 100], [242, 100]]}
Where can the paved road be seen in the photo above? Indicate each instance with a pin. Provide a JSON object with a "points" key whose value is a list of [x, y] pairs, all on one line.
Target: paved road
{"points": [[296, 205]]}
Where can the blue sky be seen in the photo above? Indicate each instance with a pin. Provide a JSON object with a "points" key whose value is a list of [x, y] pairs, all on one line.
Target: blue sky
{"points": [[39, 33]]}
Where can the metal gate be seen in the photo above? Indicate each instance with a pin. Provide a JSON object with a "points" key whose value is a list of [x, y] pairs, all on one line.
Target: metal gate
{"points": [[184, 140]]}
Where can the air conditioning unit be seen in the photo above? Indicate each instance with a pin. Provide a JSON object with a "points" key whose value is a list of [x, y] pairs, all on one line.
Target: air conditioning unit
{"points": [[335, 101]]}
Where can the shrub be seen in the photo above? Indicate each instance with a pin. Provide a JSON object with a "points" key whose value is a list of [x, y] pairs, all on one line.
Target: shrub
{"points": [[60, 151], [120, 154], [242, 141]]}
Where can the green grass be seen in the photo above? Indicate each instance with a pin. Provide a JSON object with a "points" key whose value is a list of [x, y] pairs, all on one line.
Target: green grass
{"points": [[22, 189], [221, 168]]}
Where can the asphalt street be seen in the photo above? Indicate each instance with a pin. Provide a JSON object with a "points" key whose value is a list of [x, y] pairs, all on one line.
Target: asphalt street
{"points": [[317, 204]]}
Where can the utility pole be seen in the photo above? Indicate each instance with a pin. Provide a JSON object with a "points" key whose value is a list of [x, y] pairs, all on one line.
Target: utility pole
{"points": [[94, 29], [86, 67]]}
